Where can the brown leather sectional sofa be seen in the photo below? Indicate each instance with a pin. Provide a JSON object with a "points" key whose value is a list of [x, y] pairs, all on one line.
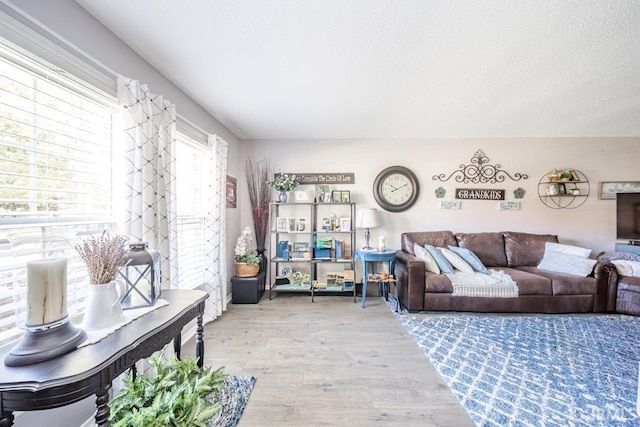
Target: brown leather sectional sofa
{"points": [[517, 254]]}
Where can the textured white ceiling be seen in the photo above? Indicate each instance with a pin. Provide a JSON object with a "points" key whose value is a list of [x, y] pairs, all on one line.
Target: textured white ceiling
{"points": [[304, 69]]}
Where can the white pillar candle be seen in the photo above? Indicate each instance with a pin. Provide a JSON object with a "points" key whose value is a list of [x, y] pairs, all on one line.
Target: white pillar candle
{"points": [[382, 244], [46, 291]]}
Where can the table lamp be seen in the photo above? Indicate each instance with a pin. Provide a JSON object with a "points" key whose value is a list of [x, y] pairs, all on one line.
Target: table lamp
{"points": [[367, 218]]}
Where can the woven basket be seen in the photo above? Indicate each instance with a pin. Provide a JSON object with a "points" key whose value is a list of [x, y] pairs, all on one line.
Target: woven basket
{"points": [[246, 270]]}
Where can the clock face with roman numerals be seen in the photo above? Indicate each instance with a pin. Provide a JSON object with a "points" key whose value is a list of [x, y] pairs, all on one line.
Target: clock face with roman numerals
{"points": [[396, 189]]}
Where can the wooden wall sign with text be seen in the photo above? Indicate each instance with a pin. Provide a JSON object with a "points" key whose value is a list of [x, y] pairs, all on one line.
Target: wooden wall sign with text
{"points": [[479, 194], [324, 178]]}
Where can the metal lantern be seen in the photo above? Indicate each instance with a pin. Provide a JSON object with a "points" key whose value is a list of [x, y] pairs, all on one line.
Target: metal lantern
{"points": [[141, 276]]}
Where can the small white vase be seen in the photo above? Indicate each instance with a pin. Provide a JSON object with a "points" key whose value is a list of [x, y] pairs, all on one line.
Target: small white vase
{"points": [[103, 306]]}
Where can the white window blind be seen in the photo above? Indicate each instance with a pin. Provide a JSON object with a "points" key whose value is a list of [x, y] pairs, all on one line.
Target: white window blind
{"points": [[192, 184], [56, 175]]}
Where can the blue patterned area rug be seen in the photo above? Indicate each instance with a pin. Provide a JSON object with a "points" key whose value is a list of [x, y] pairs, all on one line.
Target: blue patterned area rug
{"points": [[233, 398], [536, 370]]}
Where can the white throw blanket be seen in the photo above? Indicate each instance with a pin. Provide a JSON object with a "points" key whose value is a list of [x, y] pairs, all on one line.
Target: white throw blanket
{"points": [[497, 284]]}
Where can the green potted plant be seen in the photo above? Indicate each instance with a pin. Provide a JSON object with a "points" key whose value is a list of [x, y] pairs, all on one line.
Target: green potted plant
{"points": [[247, 261], [175, 395]]}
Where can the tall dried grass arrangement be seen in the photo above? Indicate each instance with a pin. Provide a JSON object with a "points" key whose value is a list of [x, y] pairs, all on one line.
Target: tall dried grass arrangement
{"points": [[103, 255], [259, 175]]}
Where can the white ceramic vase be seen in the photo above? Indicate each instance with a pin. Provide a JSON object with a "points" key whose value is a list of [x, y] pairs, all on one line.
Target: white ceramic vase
{"points": [[103, 306]]}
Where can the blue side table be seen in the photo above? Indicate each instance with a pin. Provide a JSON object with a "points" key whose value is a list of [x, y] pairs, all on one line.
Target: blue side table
{"points": [[374, 256]]}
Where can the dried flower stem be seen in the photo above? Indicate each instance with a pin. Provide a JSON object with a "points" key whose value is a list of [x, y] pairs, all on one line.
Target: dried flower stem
{"points": [[103, 255]]}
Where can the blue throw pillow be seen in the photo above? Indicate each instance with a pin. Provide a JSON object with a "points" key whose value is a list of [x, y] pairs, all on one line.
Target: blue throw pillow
{"points": [[471, 258], [444, 265]]}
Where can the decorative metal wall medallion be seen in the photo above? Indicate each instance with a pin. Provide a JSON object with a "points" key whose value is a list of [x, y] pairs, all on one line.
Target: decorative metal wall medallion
{"points": [[519, 193], [479, 171], [440, 192]]}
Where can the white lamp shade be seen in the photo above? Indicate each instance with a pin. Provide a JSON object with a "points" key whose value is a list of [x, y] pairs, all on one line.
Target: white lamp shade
{"points": [[367, 218]]}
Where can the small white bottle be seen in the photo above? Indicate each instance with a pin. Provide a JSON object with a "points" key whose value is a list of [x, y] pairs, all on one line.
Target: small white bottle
{"points": [[382, 244]]}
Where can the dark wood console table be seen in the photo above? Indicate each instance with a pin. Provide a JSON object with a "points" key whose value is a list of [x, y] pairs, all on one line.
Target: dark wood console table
{"points": [[89, 370]]}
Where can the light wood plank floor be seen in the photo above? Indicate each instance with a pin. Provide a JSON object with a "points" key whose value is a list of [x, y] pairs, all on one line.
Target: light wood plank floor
{"points": [[328, 363]]}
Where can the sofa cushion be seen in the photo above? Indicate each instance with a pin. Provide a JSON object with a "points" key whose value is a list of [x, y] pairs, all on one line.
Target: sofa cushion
{"points": [[525, 249], [470, 258], [567, 249], [434, 238], [444, 265], [560, 262], [611, 256], [529, 283], [424, 255], [489, 247], [566, 284], [456, 260], [437, 283]]}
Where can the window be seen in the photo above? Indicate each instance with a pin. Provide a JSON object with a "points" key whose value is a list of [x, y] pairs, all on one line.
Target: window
{"points": [[193, 180], [56, 176]]}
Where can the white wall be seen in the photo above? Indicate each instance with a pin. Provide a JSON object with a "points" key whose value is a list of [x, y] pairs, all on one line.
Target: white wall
{"points": [[591, 225]]}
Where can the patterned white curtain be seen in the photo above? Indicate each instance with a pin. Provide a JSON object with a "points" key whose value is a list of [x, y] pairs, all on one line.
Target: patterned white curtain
{"points": [[216, 274], [149, 123]]}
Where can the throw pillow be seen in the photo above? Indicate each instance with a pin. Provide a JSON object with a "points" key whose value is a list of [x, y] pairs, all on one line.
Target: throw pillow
{"points": [[627, 268], [424, 255], [567, 263], [443, 264], [567, 249], [470, 258], [456, 260], [612, 256]]}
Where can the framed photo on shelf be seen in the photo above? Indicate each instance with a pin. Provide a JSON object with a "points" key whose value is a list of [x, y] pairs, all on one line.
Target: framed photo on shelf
{"points": [[346, 196], [336, 196], [282, 224], [345, 224], [301, 247], [300, 196], [321, 190], [301, 224], [327, 197], [292, 224], [608, 189]]}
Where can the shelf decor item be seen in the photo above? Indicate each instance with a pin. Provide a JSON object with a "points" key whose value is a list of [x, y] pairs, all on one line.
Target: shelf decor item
{"points": [[141, 276], [49, 333], [284, 183], [103, 255], [247, 261]]}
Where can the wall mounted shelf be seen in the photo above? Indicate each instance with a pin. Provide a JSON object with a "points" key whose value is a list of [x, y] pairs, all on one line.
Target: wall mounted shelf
{"points": [[557, 191]]}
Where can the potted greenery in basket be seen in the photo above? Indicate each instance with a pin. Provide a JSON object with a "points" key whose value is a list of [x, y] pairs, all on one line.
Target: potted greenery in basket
{"points": [[175, 395], [247, 261]]}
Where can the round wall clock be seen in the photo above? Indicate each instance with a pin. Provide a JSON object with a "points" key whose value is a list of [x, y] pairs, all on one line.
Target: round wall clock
{"points": [[396, 189]]}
